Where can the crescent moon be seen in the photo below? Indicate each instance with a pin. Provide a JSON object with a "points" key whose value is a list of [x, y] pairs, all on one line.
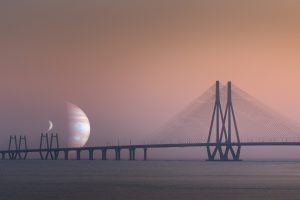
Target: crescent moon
{"points": [[50, 125], [79, 126]]}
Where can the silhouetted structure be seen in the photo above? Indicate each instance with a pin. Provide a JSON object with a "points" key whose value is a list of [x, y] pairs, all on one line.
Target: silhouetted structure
{"points": [[12, 147], [54, 145], [223, 142], [22, 146], [51, 149], [44, 144], [223, 131], [17, 149]]}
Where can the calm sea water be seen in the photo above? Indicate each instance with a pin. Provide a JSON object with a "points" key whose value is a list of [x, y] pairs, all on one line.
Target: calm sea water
{"points": [[42, 180]]}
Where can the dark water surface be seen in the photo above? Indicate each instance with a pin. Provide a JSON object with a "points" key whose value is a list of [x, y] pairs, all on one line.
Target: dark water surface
{"points": [[42, 180]]}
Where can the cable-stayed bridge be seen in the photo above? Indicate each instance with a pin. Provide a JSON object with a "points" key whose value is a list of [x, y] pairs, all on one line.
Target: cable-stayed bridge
{"points": [[221, 119], [256, 121]]}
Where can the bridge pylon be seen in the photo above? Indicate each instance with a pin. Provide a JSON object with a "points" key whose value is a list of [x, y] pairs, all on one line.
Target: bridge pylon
{"points": [[223, 149], [54, 145], [51, 147], [22, 146], [44, 144], [13, 147]]}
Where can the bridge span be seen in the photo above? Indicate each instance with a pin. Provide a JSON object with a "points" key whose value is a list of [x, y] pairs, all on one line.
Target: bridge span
{"points": [[54, 153], [223, 142]]}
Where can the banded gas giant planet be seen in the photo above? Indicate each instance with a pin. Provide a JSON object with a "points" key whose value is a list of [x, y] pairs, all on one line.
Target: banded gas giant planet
{"points": [[79, 126]]}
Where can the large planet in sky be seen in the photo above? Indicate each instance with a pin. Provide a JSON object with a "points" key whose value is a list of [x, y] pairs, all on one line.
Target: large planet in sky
{"points": [[79, 126]]}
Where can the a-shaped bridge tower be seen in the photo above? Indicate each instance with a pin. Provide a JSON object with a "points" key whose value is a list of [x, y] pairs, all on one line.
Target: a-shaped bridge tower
{"points": [[223, 128]]}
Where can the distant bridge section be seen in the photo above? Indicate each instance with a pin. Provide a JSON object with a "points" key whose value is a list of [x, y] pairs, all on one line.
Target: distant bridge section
{"points": [[130, 148], [223, 142]]}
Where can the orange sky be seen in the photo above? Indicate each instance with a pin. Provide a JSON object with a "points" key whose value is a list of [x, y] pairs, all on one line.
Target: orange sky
{"points": [[132, 65]]}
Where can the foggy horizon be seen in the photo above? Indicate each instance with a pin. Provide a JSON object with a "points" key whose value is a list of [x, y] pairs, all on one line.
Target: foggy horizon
{"points": [[193, 129], [132, 66], [149, 100]]}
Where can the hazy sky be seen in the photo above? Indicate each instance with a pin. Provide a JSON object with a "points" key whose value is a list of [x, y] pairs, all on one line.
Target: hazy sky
{"points": [[132, 65]]}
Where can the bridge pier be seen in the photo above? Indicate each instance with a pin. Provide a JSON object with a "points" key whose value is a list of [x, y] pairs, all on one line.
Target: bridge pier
{"points": [[66, 152], [118, 153], [24, 156], [228, 153], [56, 154], [104, 154], [231, 153], [3, 156], [12, 155], [78, 154], [91, 154], [132, 154], [51, 154], [42, 156], [145, 153]]}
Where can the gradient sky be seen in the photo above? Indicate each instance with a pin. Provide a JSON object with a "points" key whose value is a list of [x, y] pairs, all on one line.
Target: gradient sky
{"points": [[132, 65]]}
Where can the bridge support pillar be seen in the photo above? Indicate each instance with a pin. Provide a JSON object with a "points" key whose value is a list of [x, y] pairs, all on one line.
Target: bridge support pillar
{"points": [[3, 156], [91, 154], [118, 153], [66, 154], [24, 156], [145, 153], [232, 153], [78, 154], [56, 154], [104, 154], [132, 154]]}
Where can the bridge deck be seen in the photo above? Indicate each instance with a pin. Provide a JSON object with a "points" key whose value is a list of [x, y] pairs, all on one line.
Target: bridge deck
{"points": [[143, 146]]}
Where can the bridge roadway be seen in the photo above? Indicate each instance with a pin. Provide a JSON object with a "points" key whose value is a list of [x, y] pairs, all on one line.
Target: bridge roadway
{"points": [[53, 153]]}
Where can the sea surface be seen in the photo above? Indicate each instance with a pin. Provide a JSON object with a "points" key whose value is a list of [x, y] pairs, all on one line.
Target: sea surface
{"points": [[149, 180]]}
